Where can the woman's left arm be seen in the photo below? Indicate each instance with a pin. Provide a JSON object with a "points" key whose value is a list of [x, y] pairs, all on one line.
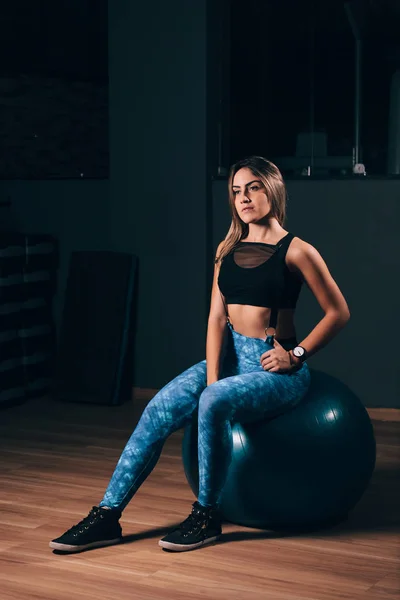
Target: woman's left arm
{"points": [[309, 264]]}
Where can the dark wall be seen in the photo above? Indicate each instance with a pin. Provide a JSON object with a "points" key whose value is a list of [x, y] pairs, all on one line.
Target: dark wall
{"points": [[65, 39], [74, 212], [155, 203], [158, 183], [354, 226]]}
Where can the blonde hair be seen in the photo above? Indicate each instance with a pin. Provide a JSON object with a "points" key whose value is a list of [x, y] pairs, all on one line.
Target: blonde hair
{"points": [[272, 179]]}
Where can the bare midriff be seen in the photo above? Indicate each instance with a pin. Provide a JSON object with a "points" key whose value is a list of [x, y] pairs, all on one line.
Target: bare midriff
{"points": [[251, 321]]}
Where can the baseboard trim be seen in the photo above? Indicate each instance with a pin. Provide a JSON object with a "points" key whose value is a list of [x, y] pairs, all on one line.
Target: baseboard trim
{"points": [[143, 393]]}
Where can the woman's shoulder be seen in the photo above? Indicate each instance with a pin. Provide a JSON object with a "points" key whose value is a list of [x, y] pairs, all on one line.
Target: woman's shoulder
{"points": [[297, 251]]}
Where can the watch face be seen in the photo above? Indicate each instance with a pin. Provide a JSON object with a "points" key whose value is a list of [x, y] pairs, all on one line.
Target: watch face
{"points": [[298, 351]]}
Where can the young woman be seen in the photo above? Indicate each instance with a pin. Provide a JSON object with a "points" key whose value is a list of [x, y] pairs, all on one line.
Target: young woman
{"points": [[254, 366]]}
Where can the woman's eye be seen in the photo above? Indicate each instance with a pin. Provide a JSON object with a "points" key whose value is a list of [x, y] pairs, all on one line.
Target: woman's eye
{"points": [[254, 187]]}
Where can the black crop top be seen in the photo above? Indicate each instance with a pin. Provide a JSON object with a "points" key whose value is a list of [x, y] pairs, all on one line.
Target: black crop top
{"points": [[256, 273]]}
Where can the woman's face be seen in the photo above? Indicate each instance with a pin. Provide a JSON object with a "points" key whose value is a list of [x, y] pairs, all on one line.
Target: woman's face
{"points": [[250, 194]]}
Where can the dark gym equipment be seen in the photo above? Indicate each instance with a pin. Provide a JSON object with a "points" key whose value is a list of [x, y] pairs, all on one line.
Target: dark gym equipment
{"points": [[95, 353], [304, 469], [28, 277]]}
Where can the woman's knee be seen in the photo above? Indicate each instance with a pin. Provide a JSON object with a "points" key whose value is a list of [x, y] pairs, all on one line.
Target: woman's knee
{"points": [[191, 381], [214, 401], [179, 396]]}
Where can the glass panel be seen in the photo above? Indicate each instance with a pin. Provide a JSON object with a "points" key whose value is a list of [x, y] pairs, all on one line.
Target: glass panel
{"points": [[54, 90], [314, 85]]}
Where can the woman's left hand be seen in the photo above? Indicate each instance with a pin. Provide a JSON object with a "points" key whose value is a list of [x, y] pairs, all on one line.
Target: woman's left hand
{"points": [[276, 360]]}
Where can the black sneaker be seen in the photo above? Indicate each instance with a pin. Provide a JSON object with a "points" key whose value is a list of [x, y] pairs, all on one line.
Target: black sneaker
{"points": [[203, 526], [99, 528]]}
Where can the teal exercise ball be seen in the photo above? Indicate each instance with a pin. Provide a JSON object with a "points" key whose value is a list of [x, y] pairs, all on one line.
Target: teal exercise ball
{"points": [[305, 468]]}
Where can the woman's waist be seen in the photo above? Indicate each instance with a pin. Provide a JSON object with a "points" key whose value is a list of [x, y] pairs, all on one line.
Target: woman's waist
{"points": [[254, 321]]}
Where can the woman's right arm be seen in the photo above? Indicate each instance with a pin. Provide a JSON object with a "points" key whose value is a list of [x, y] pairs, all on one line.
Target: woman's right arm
{"points": [[216, 328]]}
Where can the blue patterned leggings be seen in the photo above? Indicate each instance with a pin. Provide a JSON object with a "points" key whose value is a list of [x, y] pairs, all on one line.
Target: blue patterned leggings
{"points": [[243, 393]]}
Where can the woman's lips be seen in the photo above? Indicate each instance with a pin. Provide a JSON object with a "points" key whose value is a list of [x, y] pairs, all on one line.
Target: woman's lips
{"points": [[248, 208]]}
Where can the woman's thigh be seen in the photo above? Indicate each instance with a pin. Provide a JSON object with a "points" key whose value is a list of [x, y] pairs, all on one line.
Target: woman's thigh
{"points": [[251, 396], [173, 405]]}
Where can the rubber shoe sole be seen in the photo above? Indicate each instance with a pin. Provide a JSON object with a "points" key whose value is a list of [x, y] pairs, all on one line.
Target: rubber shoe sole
{"points": [[70, 549], [185, 547]]}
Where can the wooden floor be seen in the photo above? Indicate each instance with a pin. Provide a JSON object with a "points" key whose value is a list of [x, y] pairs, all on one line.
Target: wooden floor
{"points": [[55, 461]]}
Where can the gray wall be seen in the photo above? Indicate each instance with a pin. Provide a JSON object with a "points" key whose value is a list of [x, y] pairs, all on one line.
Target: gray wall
{"points": [[354, 226], [158, 205], [155, 203], [158, 183]]}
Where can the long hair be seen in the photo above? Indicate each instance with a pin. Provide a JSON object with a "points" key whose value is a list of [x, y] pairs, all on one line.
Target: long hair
{"points": [[272, 179]]}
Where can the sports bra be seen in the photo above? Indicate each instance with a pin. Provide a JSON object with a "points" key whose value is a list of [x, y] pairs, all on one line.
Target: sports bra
{"points": [[256, 273]]}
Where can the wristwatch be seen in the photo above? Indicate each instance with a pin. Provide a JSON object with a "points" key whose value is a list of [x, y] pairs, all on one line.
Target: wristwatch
{"points": [[300, 352]]}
